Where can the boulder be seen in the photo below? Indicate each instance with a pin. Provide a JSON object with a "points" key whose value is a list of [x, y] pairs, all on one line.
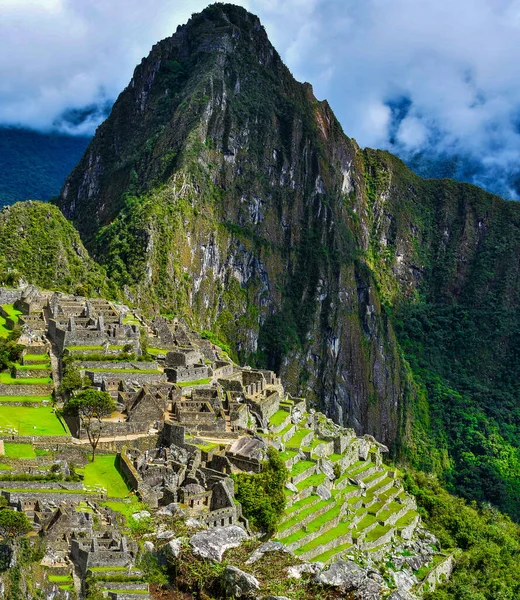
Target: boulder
{"points": [[323, 492], [144, 514], [343, 574], [165, 535], [214, 542], [404, 580], [238, 583], [174, 547], [297, 571], [290, 486], [400, 595], [327, 468], [148, 547], [267, 547], [368, 590], [193, 523], [172, 510]]}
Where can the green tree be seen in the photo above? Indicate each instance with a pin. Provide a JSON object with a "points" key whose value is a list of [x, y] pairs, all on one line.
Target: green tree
{"points": [[262, 494], [91, 407], [13, 524]]}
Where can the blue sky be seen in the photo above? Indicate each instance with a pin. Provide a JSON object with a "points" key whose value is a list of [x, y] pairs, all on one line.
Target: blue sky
{"points": [[409, 75]]}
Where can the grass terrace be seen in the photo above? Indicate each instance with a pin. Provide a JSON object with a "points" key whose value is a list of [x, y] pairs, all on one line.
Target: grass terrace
{"points": [[301, 466], [39, 366], [19, 450], [192, 383], [116, 370], [313, 526], [296, 440], [32, 399], [83, 348], [312, 481], [12, 312], [156, 351], [278, 418], [28, 420], [104, 473], [38, 357], [7, 379], [4, 332]]}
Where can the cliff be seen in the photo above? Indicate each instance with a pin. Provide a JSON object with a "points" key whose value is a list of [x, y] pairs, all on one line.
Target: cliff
{"points": [[219, 188]]}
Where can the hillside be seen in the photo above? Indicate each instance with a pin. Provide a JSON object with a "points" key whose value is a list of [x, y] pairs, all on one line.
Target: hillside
{"points": [[221, 189], [34, 165], [40, 246]]}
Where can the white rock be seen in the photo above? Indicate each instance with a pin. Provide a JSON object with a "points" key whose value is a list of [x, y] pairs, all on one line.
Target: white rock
{"points": [[323, 492], [144, 514], [165, 535], [174, 546], [238, 583], [267, 547], [344, 574], [214, 542], [297, 571], [148, 546]]}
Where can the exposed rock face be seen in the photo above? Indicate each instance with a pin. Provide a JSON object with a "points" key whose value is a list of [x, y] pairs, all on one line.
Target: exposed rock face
{"points": [[238, 583], [214, 542], [209, 110], [221, 189], [346, 575]]}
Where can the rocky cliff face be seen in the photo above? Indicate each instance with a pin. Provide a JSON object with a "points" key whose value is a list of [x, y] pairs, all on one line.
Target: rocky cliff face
{"points": [[221, 189]]}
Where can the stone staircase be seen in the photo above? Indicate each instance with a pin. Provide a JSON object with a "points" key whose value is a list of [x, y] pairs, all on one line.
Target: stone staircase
{"points": [[326, 516]]}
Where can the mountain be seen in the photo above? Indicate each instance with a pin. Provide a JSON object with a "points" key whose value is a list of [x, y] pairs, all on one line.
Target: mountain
{"points": [[34, 165], [38, 244], [221, 189]]}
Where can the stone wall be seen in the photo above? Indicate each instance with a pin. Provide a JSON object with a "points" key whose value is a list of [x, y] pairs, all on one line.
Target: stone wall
{"points": [[113, 429], [21, 389], [113, 366], [142, 378], [9, 296], [31, 373]]}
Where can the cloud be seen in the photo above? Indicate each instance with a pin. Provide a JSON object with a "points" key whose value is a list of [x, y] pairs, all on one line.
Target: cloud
{"points": [[419, 77]]}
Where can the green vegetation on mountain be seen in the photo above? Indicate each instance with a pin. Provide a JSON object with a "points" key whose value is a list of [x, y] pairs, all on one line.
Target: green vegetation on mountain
{"points": [[222, 190], [38, 244], [486, 567]]}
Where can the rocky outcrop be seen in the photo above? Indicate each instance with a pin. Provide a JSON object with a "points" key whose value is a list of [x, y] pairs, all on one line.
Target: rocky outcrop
{"points": [[213, 543]]}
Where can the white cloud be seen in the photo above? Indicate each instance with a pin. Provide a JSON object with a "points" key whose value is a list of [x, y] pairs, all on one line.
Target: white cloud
{"points": [[454, 63]]}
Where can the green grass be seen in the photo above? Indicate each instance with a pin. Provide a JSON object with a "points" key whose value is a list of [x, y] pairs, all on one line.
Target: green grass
{"points": [[60, 578], [32, 420], [5, 467], [325, 538], [103, 473], [156, 351], [366, 521], [300, 504], [313, 480], [38, 367], [4, 332], [304, 513], [300, 467], [278, 418], [377, 532], [81, 348], [34, 399], [406, 519], [288, 454], [190, 383], [6, 378], [116, 370], [38, 357], [326, 556], [12, 312], [107, 569], [335, 457], [313, 525], [127, 509], [19, 450], [296, 440]]}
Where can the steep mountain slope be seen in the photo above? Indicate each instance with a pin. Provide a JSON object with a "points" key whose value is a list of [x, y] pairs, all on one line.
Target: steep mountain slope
{"points": [[34, 165], [220, 188], [40, 245]]}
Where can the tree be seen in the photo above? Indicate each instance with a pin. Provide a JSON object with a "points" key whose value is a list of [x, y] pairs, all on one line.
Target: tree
{"points": [[91, 407], [13, 524]]}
